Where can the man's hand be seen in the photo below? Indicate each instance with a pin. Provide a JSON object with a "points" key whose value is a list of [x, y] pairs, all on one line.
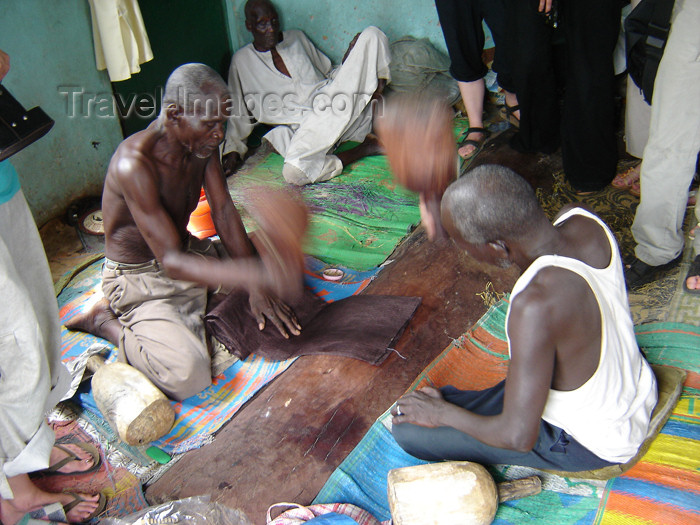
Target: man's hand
{"points": [[352, 44], [4, 64], [545, 6], [270, 307], [421, 407], [230, 163]]}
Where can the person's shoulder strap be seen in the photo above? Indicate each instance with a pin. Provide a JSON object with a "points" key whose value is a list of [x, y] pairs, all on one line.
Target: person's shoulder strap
{"points": [[659, 27]]}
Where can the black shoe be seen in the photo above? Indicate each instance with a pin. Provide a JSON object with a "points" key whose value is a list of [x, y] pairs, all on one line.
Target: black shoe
{"points": [[640, 273]]}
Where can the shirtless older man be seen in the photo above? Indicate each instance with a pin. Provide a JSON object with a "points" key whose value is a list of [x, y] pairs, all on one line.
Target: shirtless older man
{"points": [[156, 274], [281, 79], [578, 394]]}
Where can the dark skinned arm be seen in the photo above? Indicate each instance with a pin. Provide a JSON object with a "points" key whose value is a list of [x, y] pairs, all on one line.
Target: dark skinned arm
{"points": [[527, 384], [227, 220], [140, 190], [230, 228], [350, 47], [231, 162], [139, 187]]}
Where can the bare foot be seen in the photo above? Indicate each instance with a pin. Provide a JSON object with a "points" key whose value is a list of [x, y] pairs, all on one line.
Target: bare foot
{"points": [[100, 320], [467, 150], [369, 146], [511, 100], [692, 278]]}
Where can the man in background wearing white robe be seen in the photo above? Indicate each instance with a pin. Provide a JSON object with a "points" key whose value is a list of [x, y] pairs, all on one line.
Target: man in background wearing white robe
{"points": [[281, 79]]}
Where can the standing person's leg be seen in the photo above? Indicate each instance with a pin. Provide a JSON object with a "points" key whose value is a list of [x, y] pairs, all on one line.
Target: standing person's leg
{"points": [[33, 378], [529, 46], [464, 38], [495, 15], [589, 146], [637, 115], [671, 153]]}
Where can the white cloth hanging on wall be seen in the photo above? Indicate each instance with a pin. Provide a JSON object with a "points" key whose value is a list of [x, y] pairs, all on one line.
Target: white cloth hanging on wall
{"points": [[121, 42]]}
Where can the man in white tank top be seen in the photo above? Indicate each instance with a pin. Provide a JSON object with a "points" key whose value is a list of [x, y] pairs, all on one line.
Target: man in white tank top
{"points": [[578, 394]]}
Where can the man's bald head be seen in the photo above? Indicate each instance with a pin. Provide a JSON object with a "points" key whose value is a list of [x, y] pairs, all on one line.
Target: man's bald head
{"points": [[491, 203], [191, 82]]}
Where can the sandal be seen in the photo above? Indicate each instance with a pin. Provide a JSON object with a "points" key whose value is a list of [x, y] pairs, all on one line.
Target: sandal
{"points": [[101, 504], [55, 512], [693, 271], [508, 114], [626, 179], [478, 144], [640, 273], [91, 450]]}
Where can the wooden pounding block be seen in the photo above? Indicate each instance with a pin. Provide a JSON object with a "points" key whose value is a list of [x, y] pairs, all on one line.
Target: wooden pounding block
{"points": [[133, 406], [449, 493]]}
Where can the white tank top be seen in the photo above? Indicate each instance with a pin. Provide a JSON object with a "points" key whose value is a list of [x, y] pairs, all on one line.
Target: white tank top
{"points": [[609, 414]]}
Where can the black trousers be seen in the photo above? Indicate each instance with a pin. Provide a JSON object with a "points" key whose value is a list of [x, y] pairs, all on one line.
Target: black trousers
{"points": [[585, 125], [464, 38], [555, 449]]}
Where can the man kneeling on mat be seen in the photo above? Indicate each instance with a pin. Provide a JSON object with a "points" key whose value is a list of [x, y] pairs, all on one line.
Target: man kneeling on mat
{"points": [[578, 394], [157, 276]]}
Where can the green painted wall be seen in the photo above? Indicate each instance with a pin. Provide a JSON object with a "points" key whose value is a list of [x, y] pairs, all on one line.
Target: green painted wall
{"points": [[331, 24], [52, 63]]}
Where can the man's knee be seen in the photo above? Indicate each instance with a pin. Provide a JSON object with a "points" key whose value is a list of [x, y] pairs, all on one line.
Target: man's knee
{"points": [[371, 35], [410, 437], [189, 375], [374, 33], [193, 375]]}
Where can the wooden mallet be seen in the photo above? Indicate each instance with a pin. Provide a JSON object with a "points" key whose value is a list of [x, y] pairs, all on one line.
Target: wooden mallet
{"points": [[452, 492]]}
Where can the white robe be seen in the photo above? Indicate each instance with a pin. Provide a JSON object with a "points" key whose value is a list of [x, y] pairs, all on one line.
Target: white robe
{"points": [[32, 377], [315, 109]]}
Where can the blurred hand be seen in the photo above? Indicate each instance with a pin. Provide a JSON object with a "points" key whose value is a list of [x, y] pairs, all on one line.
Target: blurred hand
{"points": [[545, 6], [282, 218]]}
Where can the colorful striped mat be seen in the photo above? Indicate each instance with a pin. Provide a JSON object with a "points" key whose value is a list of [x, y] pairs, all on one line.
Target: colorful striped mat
{"points": [[200, 416], [664, 487], [664, 484]]}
